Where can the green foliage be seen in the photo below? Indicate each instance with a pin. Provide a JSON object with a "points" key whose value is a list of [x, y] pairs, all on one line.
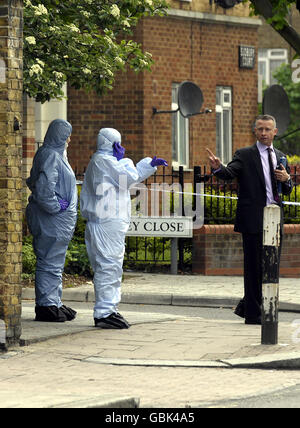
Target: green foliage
{"points": [[147, 253], [28, 256], [292, 213], [84, 42], [80, 224], [221, 210], [293, 160], [280, 11], [150, 249], [77, 261]]}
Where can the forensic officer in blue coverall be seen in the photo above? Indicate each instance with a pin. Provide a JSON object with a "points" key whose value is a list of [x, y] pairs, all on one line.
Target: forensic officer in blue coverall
{"points": [[105, 203], [51, 216]]}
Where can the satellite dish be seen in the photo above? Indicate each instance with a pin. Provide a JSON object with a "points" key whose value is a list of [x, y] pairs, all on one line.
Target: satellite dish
{"points": [[276, 103], [190, 99], [227, 4]]}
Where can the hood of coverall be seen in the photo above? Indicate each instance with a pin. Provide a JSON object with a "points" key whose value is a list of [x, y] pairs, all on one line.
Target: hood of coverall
{"points": [[57, 134], [106, 138]]}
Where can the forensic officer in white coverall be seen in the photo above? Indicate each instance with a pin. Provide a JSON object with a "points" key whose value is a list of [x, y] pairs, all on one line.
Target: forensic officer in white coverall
{"points": [[105, 203]]}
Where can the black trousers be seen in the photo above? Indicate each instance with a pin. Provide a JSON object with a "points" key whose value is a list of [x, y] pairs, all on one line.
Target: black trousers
{"points": [[252, 246]]}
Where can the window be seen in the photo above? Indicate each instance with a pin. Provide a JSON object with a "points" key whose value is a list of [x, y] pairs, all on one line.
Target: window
{"points": [[180, 134], [268, 61], [224, 123]]}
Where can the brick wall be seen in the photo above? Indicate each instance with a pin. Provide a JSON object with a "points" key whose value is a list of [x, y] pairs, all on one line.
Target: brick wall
{"points": [[183, 49], [28, 143], [218, 250], [206, 54], [122, 109], [10, 168]]}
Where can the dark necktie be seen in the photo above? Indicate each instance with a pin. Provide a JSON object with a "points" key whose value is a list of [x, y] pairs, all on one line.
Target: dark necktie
{"points": [[273, 179]]}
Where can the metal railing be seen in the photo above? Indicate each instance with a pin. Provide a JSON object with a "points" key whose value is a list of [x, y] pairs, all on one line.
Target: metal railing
{"points": [[219, 208]]}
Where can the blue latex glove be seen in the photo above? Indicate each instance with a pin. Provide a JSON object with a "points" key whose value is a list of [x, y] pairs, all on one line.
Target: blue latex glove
{"points": [[158, 161], [63, 204], [118, 151]]}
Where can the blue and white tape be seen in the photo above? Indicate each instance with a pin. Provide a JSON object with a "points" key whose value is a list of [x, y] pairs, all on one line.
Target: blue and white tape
{"points": [[206, 195]]}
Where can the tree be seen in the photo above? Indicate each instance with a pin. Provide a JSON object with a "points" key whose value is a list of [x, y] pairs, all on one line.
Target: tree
{"points": [[84, 42], [276, 12]]}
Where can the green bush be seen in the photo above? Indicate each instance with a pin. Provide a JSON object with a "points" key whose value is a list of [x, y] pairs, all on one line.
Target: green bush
{"points": [[147, 253], [292, 212], [220, 210], [77, 261], [150, 249], [223, 211], [28, 256], [293, 160]]}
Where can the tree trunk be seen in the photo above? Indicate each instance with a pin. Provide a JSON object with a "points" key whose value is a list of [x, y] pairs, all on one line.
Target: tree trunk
{"points": [[264, 7]]}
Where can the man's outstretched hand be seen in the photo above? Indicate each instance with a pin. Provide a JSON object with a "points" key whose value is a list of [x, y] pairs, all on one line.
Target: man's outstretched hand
{"points": [[215, 162]]}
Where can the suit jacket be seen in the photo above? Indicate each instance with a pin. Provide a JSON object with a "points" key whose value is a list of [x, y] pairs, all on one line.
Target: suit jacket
{"points": [[246, 166]]}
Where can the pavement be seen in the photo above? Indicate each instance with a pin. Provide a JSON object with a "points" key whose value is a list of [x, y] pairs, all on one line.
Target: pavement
{"points": [[168, 340], [191, 291]]}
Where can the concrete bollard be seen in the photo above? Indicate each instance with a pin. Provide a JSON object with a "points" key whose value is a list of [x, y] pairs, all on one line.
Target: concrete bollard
{"points": [[270, 275]]}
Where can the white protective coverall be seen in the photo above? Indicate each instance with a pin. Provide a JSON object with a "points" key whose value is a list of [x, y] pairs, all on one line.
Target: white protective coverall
{"points": [[105, 203], [51, 179]]}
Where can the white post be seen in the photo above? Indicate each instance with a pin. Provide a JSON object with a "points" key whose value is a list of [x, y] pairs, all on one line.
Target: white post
{"points": [[270, 275]]}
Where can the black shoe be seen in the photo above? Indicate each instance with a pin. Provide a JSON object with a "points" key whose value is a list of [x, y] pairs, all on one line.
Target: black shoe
{"points": [[69, 312], [240, 309], [253, 321], [122, 319], [113, 321], [49, 314]]}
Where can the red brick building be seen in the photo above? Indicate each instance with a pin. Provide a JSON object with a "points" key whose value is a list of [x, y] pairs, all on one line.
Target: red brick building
{"points": [[188, 44], [199, 42]]}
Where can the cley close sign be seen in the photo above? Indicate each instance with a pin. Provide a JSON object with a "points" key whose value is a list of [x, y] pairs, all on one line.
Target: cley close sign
{"points": [[166, 227]]}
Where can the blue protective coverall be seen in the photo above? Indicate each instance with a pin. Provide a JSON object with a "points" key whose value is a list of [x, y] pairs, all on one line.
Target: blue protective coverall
{"points": [[105, 203], [51, 179]]}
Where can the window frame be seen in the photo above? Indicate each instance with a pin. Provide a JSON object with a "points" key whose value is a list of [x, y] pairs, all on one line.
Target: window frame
{"points": [[179, 121], [265, 56], [223, 149]]}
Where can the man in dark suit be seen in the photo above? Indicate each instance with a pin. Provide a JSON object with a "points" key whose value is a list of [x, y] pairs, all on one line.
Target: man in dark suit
{"points": [[257, 189]]}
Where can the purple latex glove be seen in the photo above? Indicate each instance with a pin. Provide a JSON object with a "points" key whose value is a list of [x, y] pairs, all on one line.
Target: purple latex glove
{"points": [[158, 161], [63, 204], [118, 151]]}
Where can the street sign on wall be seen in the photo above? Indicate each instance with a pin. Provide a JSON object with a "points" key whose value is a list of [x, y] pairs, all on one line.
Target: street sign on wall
{"points": [[166, 227]]}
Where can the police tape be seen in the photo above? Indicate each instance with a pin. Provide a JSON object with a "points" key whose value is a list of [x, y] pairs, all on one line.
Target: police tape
{"points": [[195, 194], [203, 195]]}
